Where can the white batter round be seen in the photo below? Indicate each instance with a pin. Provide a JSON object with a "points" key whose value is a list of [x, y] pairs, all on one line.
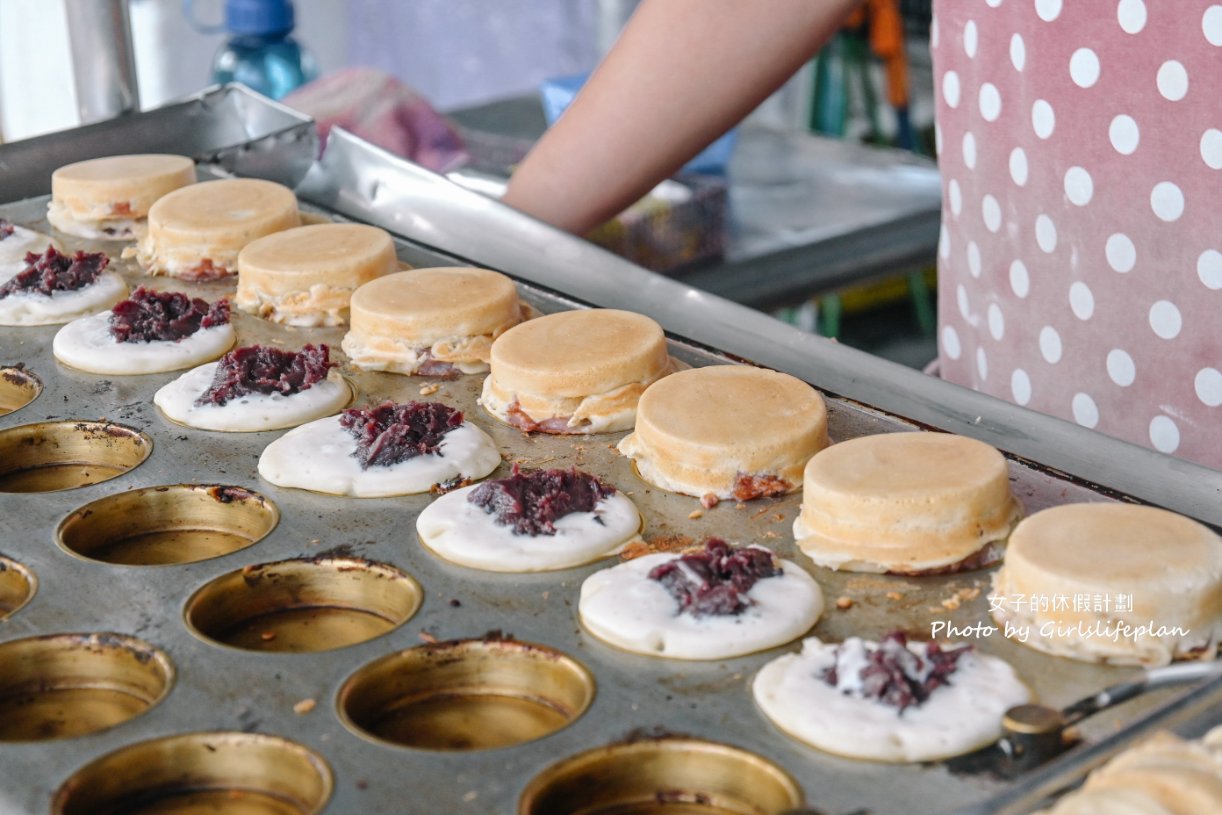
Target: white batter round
{"points": [[253, 412], [87, 344], [956, 718], [627, 609], [13, 250], [318, 456], [463, 533], [26, 308]]}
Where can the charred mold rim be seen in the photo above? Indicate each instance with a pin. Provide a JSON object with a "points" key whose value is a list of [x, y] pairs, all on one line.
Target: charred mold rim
{"points": [[30, 450], [221, 762], [18, 585], [467, 672], [217, 611], [661, 770], [18, 388], [121, 666], [238, 516]]}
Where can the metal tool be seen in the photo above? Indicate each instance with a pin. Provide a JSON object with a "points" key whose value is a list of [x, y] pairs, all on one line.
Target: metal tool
{"points": [[1036, 733]]}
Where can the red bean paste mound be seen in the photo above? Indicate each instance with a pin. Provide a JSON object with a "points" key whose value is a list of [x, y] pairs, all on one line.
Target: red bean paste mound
{"points": [[52, 271], [149, 316], [6, 228], [892, 673], [532, 501], [390, 433], [715, 579], [259, 369]]}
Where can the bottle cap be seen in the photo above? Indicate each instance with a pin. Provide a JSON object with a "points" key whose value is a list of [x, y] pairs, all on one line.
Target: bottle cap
{"points": [[257, 17]]}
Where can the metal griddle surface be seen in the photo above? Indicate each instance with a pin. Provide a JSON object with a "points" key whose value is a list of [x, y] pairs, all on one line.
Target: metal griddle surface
{"points": [[221, 688]]}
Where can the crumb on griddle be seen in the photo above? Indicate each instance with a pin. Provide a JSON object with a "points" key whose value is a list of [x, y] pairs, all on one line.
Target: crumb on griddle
{"points": [[304, 706], [656, 544], [844, 603], [695, 514], [709, 500]]}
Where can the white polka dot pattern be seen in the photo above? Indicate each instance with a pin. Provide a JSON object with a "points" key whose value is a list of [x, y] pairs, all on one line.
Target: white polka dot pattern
{"points": [[1084, 68], [1167, 201], [1164, 434], [1209, 269], [1018, 52], [1081, 300], [1131, 14], [1124, 134], [1043, 118], [1080, 257], [1020, 386], [1165, 319], [1120, 367], [1208, 385], [1085, 411], [1020, 281], [1172, 80], [1211, 25], [1211, 148], [1121, 253]]}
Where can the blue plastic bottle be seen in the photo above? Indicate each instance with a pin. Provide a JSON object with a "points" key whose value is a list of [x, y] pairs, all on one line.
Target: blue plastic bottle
{"points": [[261, 52]]}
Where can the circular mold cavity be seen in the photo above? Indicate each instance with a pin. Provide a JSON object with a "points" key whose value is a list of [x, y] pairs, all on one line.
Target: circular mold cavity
{"points": [[18, 387], [195, 773], [66, 685], [156, 526], [669, 776], [312, 604], [466, 695], [17, 586], [51, 456]]}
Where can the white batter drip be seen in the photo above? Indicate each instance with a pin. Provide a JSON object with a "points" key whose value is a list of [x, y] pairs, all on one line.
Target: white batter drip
{"points": [[627, 609], [87, 344], [253, 412], [13, 250], [955, 719], [28, 308], [318, 456], [461, 532]]}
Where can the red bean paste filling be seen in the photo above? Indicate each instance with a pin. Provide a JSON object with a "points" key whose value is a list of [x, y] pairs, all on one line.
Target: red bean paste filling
{"points": [[896, 676], [6, 228], [532, 501], [389, 433], [149, 316], [53, 271], [715, 580], [259, 369], [749, 487]]}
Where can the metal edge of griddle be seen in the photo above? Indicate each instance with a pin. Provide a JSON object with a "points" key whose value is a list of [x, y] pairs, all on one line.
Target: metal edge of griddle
{"points": [[1188, 712], [229, 126], [427, 208]]}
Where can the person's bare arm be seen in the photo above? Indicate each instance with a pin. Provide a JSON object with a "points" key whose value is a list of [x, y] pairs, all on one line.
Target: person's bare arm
{"points": [[681, 74]]}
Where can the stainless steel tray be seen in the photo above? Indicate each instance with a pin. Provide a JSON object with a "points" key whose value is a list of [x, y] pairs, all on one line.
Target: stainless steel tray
{"points": [[221, 688]]}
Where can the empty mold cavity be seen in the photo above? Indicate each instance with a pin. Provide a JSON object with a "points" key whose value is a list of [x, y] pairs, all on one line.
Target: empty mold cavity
{"points": [[310, 604], [17, 586], [196, 773], [466, 695], [51, 456], [18, 387], [182, 523], [668, 776], [71, 684]]}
